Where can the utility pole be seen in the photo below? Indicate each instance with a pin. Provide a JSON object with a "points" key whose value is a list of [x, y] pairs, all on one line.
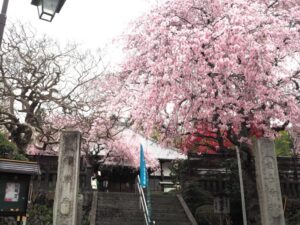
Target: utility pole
{"points": [[3, 19], [241, 185]]}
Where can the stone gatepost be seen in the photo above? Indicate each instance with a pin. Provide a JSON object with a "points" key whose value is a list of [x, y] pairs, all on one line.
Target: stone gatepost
{"points": [[268, 185], [67, 185]]}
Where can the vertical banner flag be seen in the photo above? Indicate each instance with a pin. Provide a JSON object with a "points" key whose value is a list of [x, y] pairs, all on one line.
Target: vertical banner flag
{"points": [[143, 169]]}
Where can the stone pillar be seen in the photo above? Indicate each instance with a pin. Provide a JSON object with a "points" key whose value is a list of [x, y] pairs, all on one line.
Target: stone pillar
{"points": [[67, 185], [268, 185], [79, 209]]}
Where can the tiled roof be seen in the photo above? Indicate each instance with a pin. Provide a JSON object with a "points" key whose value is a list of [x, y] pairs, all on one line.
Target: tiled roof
{"points": [[15, 166], [154, 148]]}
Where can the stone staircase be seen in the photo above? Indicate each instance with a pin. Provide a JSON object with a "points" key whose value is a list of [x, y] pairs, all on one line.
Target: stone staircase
{"points": [[118, 208], [167, 210]]}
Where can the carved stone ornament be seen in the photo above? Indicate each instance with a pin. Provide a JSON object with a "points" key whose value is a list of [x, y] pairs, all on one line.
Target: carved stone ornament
{"points": [[65, 206]]}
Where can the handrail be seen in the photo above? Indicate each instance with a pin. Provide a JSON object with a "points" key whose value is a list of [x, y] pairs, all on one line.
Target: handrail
{"points": [[186, 210], [143, 202]]}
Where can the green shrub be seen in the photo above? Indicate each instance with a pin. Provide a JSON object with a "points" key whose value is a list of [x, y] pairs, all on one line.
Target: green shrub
{"points": [[6, 148], [293, 219], [9, 150], [195, 196], [284, 144], [40, 215], [205, 215]]}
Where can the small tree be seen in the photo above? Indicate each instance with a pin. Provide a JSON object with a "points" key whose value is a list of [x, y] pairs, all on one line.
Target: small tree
{"points": [[38, 78], [284, 144]]}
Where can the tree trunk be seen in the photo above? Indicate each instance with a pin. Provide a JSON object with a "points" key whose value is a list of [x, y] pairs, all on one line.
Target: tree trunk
{"points": [[21, 136]]}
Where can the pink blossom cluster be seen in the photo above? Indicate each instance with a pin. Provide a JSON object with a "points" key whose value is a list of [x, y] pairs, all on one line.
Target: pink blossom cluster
{"points": [[229, 63], [127, 150], [97, 128], [62, 121]]}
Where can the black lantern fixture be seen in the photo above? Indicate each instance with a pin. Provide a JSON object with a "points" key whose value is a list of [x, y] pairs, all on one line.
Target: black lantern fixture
{"points": [[48, 8]]}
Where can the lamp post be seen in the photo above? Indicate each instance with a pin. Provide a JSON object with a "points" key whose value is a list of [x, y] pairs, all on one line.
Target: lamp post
{"points": [[46, 11], [48, 8], [241, 186], [3, 19]]}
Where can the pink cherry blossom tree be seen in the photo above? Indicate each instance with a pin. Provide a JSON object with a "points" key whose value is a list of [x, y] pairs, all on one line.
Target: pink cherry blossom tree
{"points": [[232, 65], [104, 138], [46, 88]]}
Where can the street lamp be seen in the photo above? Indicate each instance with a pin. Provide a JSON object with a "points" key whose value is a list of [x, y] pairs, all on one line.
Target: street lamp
{"points": [[3, 19], [48, 8]]}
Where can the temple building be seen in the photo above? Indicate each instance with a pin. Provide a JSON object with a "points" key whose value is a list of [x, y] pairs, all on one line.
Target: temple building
{"points": [[118, 175]]}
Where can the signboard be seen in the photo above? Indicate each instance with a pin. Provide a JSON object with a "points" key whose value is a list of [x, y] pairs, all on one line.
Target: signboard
{"points": [[15, 178], [221, 205], [12, 192]]}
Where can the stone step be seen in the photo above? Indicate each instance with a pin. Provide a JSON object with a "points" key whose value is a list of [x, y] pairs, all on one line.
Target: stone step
{"points": [[119, 204], [165, 201], [121, 200], [163, 197], [118, 213], [163, 194], [167, 210], [170, 220], [119, 209], [123, 220], [171, 223], [118, 194], [175, 205], [170, 215], [170, 210], [124, 209], [138, 223], [121, 223], [118, 200], [119, 197]]}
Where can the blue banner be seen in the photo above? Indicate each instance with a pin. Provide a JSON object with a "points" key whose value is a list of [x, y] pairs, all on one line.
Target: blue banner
{"points": [[143, 169]]}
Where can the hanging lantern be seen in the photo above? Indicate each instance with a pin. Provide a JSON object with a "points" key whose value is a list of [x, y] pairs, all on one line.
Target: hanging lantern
{"points": [[48, 8]]}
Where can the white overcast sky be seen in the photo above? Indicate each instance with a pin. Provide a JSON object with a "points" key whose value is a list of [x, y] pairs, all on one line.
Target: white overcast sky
{"points": [[93, 23]]}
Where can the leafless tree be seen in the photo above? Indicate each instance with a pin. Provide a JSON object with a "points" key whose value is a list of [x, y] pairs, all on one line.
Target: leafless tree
{"points": [[38, 77]]}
